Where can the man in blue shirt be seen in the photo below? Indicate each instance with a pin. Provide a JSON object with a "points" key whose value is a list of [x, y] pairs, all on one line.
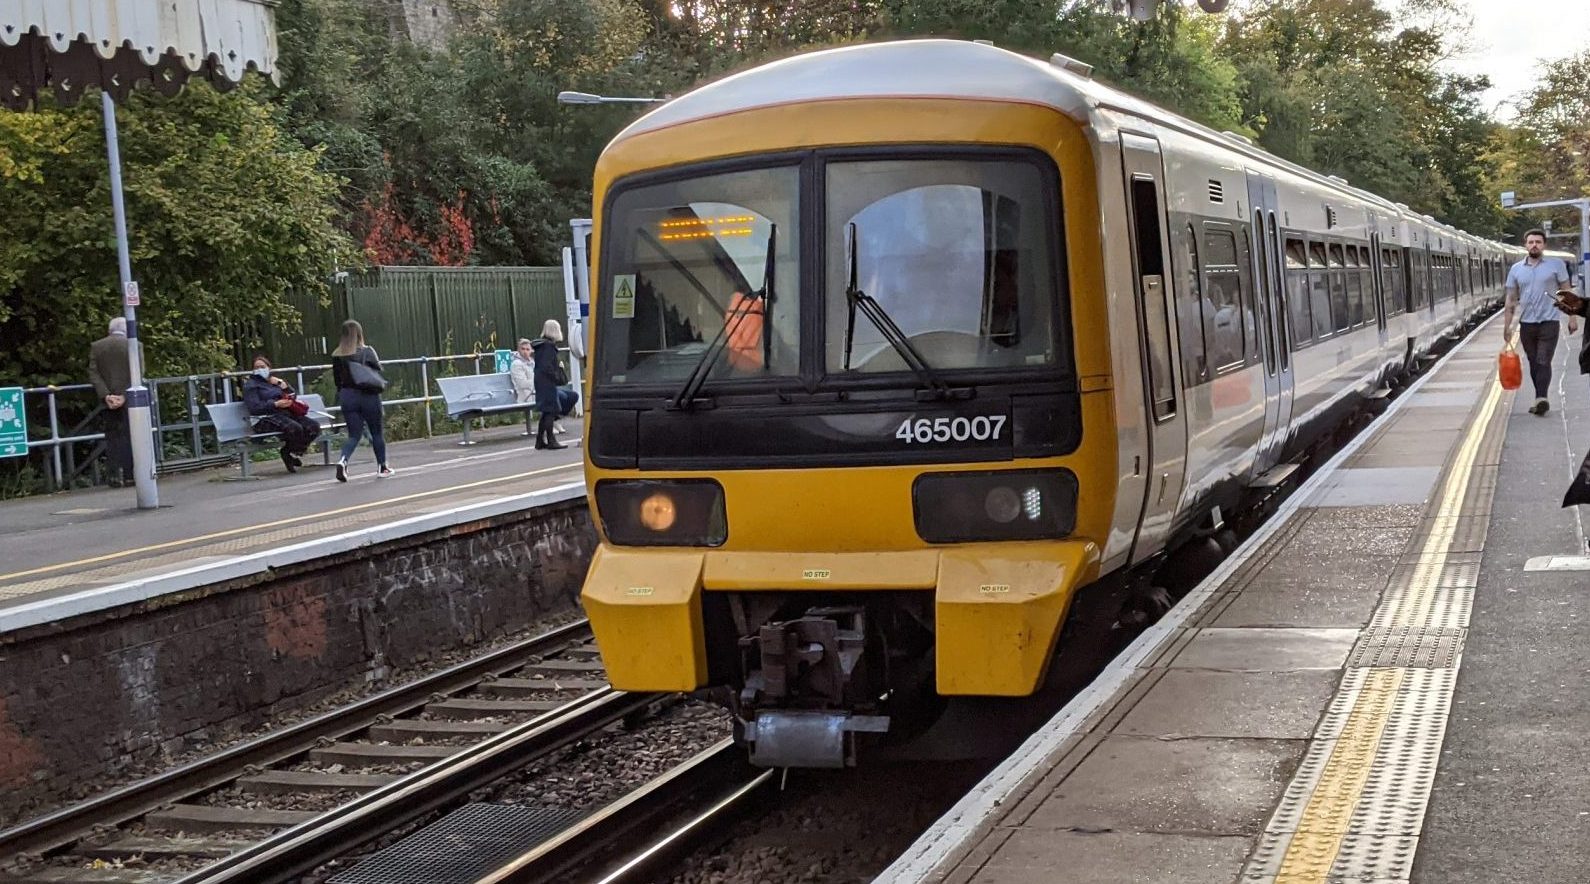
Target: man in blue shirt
{"points": [[1534, 283]]}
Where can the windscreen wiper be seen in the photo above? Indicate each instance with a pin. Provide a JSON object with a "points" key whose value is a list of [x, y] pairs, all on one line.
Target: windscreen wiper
{"points": [[686, 397], [886, 326]]}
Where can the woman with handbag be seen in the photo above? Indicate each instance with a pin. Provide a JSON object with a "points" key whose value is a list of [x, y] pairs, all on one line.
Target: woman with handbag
{"points": [[549, 378], [279, 410], [356, 369]]}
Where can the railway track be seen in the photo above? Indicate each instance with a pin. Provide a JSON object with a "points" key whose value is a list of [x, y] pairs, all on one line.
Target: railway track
{"points": [[636, 838], [357, 771]]}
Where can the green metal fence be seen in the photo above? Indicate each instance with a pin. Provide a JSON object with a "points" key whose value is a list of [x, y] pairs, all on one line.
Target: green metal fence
{"points": [[424, 311]]}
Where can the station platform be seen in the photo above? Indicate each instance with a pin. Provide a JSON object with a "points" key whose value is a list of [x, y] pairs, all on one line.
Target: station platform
{"points": [[1386, 683], [66, 555]]}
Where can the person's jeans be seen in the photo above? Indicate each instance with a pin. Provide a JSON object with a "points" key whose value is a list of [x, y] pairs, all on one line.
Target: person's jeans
{"points": [[1539, 340], [566, 400], [362, 411]]}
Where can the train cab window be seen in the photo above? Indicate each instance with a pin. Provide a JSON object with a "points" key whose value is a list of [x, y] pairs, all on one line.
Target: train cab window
{"points": [[679, 255], [1341, 312], [956, 252], [1224, 307], [1153, 289], [1355, 288], [1319, 290], [1189, 313], [1297, 293]]}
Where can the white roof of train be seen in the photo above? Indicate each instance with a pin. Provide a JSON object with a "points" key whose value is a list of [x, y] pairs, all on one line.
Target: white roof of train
{"points": [[937, 68]]}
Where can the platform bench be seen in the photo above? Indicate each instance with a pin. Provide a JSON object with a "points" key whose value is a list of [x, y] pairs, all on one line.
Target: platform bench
{"points": [[235, 426], [481, 395]]}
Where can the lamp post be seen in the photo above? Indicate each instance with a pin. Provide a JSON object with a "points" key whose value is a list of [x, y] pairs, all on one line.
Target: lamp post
{"points": [[588, 98]]}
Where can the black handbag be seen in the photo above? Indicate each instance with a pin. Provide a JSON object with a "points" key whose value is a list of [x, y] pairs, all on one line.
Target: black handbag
{"points": [[364, 377], [560, 375]]}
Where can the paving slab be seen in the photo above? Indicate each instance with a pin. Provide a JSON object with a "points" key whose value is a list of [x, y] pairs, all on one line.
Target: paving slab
{"points": [[1169, 789], [1044, 857], [1267, 649], [1323, 604], [1202, 703]]}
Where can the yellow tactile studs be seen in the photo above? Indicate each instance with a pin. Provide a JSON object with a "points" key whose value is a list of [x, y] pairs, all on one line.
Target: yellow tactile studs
{"points": [[1355, 808]]}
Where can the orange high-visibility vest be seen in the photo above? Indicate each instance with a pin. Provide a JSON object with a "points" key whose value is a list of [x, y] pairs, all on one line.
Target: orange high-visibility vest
{"points": [[745, 318]]}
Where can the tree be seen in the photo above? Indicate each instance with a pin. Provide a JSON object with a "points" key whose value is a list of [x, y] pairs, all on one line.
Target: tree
{"points": [[225, 214]]}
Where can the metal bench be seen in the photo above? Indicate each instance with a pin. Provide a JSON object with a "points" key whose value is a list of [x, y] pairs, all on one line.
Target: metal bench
{"points": [[480, 395], [235, 426]]}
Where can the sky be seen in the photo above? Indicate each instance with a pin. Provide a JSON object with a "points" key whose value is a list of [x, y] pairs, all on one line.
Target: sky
{"points": [[1509, 39]]}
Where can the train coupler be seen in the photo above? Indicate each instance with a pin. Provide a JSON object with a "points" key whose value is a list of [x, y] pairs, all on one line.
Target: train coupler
{"points": [[805, 694], [797, 738]]}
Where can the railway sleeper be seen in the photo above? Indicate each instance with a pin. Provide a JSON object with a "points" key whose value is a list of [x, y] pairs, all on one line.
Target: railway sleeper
{"points": [[203, 818], [470, 708], [291, 782], [173, 847]]}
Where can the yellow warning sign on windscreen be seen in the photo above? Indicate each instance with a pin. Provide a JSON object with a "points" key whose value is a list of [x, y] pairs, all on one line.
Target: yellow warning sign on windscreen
{"points": [[624, 296]]}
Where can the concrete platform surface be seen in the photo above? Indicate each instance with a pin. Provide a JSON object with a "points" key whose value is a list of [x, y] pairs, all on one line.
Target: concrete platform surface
{"points": [[78, 544], [1385, 684]]}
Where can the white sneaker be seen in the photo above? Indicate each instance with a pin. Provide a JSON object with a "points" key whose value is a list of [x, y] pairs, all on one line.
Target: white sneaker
{"points": [[384, 471], [342, 471], [557, 427]]}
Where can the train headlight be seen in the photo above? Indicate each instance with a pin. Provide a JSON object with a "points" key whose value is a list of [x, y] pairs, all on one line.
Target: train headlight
{"points": [[995, 505], [647, 512], [657, 512], [1002, 504]]}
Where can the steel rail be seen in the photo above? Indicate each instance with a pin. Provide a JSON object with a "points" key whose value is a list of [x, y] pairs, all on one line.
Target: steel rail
{"points": [[719, 778], [300, 849], [70, 824]]}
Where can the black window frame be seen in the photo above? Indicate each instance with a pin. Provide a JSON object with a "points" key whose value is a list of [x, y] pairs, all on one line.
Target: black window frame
{"points": [[812, 258]]}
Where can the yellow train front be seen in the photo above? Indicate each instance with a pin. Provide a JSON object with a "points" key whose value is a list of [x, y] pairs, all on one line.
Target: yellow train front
{"points": [[897, 347], [843, 410]]}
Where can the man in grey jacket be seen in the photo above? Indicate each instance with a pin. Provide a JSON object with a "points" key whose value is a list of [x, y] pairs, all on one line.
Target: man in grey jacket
{"points": [[111, 375]]}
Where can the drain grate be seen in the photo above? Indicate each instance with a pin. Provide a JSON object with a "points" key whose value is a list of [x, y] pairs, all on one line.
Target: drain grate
{"points": [[462, 846], [1410, 647]]}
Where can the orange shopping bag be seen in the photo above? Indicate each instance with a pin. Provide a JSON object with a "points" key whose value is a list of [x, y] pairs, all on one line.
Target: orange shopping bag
{"points": [[1509, 369]]}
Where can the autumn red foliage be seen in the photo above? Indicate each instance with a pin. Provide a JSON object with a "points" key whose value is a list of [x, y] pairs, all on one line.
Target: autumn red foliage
{"points": [[390, 238]]}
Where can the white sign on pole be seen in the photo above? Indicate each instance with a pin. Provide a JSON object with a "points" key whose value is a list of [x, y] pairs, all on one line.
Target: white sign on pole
{"points": [[129, 295]]}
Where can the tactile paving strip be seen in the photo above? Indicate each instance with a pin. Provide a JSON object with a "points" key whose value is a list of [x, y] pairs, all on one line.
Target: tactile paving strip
{"points": [[1407, 646], [1355, 808], [463, 846]]}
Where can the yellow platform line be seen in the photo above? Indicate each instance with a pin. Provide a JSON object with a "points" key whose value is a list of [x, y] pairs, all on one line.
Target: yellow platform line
{"points": [[1326, 817], [249, 529]]}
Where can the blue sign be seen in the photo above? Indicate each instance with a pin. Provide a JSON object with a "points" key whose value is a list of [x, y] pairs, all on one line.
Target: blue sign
{"points": [[504, 361]]}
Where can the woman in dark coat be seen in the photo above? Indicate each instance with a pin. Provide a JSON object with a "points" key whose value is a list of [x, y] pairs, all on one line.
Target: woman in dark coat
{"points": [[547, 369], [270, 399]]}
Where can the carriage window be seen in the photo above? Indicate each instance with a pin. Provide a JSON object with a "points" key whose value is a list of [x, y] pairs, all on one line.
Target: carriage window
{"points": [[1224, 306], [1297, 293], [1319, 294], [1153, 289], [1189, 313], [1356, 295], [956, 252], [1340, 311]]}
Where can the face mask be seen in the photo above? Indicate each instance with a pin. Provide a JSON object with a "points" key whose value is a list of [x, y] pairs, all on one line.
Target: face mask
{"points": [[263, 372]]}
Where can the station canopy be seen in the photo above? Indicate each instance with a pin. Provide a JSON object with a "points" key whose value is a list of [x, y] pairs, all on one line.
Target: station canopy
{"points": [[70, 46]]}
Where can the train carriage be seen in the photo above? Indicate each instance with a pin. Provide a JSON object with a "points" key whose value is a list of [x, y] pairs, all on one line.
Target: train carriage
{"points": [[898, 347]]}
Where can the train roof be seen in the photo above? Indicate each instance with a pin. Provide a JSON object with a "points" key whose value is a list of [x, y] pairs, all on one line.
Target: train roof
{"points": [[959, 69]]}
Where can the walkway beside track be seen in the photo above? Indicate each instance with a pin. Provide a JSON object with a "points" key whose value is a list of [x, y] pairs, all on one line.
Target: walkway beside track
{"points": [[1387, 683], [64, 555]]}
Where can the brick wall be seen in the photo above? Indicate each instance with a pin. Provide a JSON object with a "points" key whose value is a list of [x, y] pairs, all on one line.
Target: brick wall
{"points": [[83, 699]]}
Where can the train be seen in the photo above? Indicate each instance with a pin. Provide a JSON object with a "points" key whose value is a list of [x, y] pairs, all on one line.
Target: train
{"points": [[899, 349]]}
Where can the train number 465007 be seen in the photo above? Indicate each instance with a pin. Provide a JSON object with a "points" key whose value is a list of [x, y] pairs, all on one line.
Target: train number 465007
{"points": [[922, 430]]}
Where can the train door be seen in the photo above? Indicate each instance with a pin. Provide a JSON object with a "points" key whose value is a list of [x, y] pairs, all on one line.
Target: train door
{"points": [[1271, 295], [1144, 176]]}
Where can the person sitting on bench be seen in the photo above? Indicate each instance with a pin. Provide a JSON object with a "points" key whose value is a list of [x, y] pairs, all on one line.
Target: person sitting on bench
{"points": [[279, 411]]}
